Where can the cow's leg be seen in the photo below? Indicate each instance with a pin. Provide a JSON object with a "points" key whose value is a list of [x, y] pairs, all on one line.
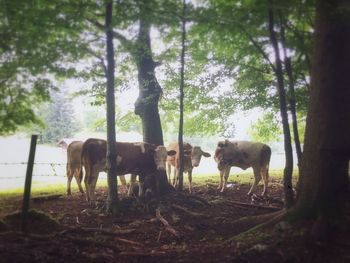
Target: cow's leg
{"points": [[175, 177], [257, 178], [87, 185], [221, 179], [69, 181], [123, 182], [265, 176], [226, 175], [141, 184], [132, 183], [190, 181], [78, 174], [169, 172], [92, 185]]}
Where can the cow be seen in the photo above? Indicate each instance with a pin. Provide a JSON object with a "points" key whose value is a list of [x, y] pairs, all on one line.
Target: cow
{"points": [[192, 158], [132, 158], [243, 154], [74, 164]]}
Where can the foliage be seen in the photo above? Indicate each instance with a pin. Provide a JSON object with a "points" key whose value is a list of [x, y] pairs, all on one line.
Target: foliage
{"points": [[267, 129], [39, 40], [59, 119], [231, 69], [95, 120]]}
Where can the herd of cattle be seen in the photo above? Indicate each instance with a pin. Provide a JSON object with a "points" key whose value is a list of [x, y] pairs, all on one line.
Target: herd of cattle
{"points": [[142, 159]]}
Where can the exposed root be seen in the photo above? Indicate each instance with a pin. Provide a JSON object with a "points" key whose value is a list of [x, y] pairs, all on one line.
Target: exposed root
{"points": [[183, 209], [97, 230], [168, 227], [257, 223], [272, 208]]}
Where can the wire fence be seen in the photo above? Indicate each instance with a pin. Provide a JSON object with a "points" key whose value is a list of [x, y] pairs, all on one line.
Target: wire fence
{"points": [[50, 164]]}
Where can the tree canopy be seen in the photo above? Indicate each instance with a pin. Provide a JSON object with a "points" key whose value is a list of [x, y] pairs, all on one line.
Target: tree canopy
{"points": [[228, 58]]}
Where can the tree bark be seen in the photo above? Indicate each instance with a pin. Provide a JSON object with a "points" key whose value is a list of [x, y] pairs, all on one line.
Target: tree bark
{"points": [[291, 97], [146, 105], [288, 170], [324, 168], [112, 200], [182, 84]]}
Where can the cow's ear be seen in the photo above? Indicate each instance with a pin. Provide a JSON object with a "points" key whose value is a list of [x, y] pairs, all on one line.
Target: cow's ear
{"points": [[221, 144], [205, 154], [171, 152]]}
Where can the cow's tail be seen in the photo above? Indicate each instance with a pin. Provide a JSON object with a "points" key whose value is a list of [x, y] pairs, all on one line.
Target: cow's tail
{"points": [[265, 159], [84, 162]]}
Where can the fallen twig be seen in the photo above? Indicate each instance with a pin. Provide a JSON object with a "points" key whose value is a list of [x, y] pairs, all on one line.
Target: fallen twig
{"points": [[188, 211], [168, 227], [159, 235], [99, 230], [129, 241], [272, 208]]}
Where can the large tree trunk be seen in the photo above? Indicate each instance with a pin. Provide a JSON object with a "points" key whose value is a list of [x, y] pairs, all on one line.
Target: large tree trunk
{"points": [[150, 91], [288, 170], [324, 176], [146, 105], [112, 200]]}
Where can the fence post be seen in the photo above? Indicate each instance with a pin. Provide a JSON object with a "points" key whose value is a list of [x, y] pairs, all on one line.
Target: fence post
{"points": [[28, 183]]}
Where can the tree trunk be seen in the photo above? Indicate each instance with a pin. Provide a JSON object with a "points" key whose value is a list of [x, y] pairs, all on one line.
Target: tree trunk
{"points": [[288, 170], [112, 200], [146, 105], [182, 84], [324, 176], [291, 97]]}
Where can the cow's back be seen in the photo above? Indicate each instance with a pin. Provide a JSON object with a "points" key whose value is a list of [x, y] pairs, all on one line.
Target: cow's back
{"points": [[135, 157], [74, 153], [245, 154], [93, 151]]}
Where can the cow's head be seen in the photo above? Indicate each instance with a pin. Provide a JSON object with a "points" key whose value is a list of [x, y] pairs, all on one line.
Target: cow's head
{"points": [[225, 152], [63, 144], [196, 155], [160, 155]]}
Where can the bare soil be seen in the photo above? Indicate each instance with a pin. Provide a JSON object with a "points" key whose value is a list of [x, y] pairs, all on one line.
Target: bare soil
{"points": [[179, 227]]}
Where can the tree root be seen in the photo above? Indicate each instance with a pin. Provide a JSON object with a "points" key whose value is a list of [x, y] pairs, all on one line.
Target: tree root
{"points": [[236, 203], [168, 227], [99, 230], [183, 209], [257, 223]]}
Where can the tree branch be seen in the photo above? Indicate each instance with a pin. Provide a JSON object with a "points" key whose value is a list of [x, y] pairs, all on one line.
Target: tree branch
{"points": [[258, 47], [103, 65], [123, 40]]}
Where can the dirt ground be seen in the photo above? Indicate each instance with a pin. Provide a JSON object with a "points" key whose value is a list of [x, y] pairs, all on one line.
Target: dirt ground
{"points": [[179, 227]]}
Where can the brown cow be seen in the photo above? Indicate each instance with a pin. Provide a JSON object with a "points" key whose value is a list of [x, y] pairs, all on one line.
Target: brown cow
{"points": [[73, 165], [132, 158], [192, 158], [243, 154]]}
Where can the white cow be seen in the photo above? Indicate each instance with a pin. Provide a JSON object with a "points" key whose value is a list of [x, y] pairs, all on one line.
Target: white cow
{"points": [[192, 158], [243, 154]]}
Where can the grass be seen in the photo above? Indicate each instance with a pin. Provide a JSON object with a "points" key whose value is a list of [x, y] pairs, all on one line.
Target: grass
{"points": [[245, 177], [46, 188]]}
